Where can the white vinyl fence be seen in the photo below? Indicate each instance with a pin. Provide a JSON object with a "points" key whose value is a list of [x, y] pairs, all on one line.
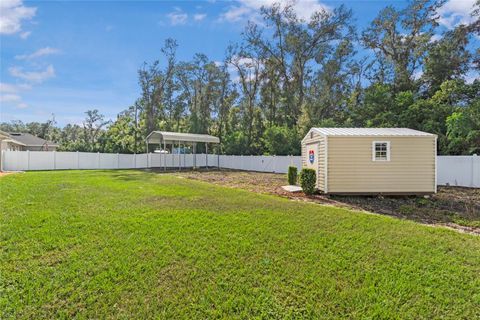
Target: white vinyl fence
{"points": [[458, 171], [451, 170], [278, 164], [42, 160]]}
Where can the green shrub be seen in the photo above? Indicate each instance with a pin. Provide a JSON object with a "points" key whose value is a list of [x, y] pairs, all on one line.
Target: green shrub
{"points": [[308, 178], [406, 209], [292, 176]]}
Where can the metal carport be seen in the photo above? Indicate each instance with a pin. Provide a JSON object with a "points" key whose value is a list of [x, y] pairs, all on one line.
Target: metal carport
{"points": [[164, 138]]}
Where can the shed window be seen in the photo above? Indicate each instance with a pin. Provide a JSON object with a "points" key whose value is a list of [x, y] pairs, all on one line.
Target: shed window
{"points": [[381, 151]]}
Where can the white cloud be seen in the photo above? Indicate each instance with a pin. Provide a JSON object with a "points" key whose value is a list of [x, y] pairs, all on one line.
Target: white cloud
{"points": [[25, 35], [471, 76], [455, 12], [435, 37], [417, 74], [33, 76], [235, 14], [248, 9], [177, 17], [12, 14], [10, 97], [199, 16], [247, 64], [13, 88], [10, 94], [22, 105], [39, 53]]}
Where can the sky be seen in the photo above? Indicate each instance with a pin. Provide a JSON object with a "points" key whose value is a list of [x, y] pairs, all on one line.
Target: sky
{"points": [[62, 58]]}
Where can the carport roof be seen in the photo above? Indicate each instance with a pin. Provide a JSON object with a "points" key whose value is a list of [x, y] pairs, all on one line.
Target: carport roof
{"points": [[171, 137]]}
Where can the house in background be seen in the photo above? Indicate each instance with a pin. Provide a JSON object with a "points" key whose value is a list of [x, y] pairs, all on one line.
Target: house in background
{"points": [[10, 144], [17, 141]]}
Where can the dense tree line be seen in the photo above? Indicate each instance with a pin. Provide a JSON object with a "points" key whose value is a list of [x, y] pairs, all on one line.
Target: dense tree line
{"points": [[287, 75]]}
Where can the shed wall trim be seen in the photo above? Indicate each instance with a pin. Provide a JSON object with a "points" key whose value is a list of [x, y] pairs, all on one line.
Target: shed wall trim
{"points": [[435, 184], [326, 165]]}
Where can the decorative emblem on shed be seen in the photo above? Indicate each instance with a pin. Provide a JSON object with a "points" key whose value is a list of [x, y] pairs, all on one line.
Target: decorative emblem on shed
{"points": [[311, 156]]}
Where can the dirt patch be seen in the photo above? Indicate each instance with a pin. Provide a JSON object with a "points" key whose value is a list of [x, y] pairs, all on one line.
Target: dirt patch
{"points": [[453, 207], [5, 173]]}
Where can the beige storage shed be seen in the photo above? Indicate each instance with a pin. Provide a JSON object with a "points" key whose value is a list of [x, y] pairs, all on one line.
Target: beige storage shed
{"points": [[372, 160]]}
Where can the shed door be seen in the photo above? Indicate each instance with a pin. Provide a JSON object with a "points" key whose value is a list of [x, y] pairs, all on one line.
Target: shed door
{"points": [[312, 157]]}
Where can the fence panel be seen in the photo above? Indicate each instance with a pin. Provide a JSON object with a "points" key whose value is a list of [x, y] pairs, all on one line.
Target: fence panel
{"points": [[189, 160], [458, 171], [451, 170], [15, 160], [104, 161], [213, 160], [126, 161], [40, 160], [141, 160], [66, 160], [267, 164], [87, 160]]}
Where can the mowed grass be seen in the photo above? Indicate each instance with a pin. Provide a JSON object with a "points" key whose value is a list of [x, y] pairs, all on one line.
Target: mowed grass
{"points": [[131, 244]]}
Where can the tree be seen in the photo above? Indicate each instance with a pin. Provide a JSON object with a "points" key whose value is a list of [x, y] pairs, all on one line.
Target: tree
{"points": [[291, 48], [93, 125], [288, 74], [201, 82], [154, 83], [280, 141], [401, 38], [447, 59], [224, 102], [120, 135], [71, 138], [329, 93], [463, 130], [248, 68]]}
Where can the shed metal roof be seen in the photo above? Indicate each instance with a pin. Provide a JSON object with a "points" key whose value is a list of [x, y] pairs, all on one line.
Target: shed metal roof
{"points": [[169, 137], [346, 132]]}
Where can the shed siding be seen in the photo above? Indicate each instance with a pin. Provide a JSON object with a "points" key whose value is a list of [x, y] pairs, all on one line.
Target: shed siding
{"points": [[321, 165], [411, 168], [317, 138]]}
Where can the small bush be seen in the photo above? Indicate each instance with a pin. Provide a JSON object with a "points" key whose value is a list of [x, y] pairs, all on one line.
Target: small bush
{"points": [[308, 178], [292, 176], [406, 209]]}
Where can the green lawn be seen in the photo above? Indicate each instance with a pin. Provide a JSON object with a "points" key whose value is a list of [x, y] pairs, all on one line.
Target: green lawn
{"points": [[130, 244]]}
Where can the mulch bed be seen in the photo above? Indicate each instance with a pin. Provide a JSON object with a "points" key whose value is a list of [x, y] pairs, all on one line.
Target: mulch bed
{"points": [[453, 207]]}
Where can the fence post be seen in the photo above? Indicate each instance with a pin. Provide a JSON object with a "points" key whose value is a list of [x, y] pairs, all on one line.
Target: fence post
{"points": [[206, 155], [28, 160], [474, 174], [273, 163], [135, 161], [2, 156], [118, 160], [78, 160], [98, 160], [54, 161]]}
